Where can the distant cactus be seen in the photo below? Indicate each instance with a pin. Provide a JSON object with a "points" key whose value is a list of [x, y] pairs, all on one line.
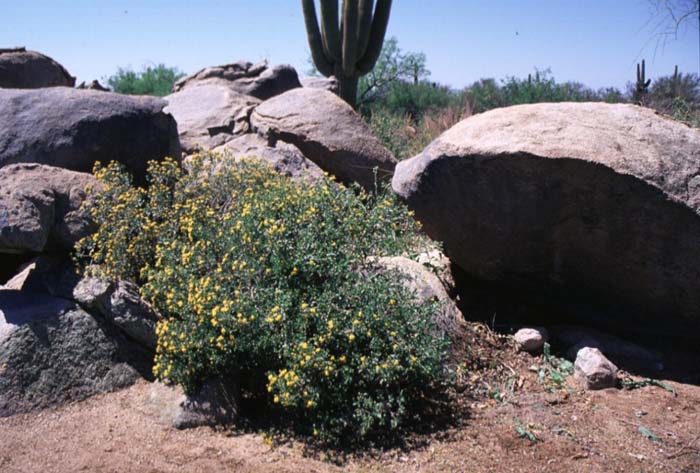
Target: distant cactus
{"points": [[350, 48], [641, 88], [676, 83]]}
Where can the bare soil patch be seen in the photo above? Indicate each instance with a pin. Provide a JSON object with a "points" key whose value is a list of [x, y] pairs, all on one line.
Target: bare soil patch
{"points": [[646, 429]]}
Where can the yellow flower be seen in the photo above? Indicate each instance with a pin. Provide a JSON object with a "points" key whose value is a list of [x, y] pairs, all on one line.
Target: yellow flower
{"points": [[351, 337]]}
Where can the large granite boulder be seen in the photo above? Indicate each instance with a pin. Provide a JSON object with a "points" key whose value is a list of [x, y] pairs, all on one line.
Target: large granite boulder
{"points": [[209, 114], [328, 132], [256, 80], [40, 208], [590, 201], [22, 69], [73, 129], [283, 157], [52, 351]]}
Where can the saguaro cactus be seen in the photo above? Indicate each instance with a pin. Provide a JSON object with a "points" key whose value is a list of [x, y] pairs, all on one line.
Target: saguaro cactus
{"points": [[349, 48], [641, 88]]}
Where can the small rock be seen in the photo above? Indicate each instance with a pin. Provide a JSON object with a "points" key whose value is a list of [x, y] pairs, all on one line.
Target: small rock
{"points": [[593, 370], [531, 340], [216, 403], [326, 83]]}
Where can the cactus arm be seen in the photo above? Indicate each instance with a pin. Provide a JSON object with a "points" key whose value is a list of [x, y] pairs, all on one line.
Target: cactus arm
{"points": [[376, 37], [366, 10], [324, 66], [350, 18], [330, 34]]}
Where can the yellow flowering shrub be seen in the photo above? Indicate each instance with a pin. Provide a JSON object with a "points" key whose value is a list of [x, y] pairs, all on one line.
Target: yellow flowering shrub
{"points": [[260, 277]]}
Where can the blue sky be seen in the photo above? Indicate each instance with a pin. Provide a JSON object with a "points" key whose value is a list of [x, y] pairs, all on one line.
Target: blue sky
{"points": [[597, 42]]}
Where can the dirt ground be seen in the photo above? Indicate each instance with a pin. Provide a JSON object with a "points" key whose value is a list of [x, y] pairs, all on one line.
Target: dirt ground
{"points": [[648, 429]]}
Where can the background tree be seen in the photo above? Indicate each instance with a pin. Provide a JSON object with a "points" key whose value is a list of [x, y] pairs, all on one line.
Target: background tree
{"points": [[670, 16], [393, 65], [151, 80], [350, 49]]}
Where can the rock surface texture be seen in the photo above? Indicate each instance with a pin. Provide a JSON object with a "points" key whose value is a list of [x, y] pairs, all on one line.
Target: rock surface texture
{"points": [[593, 370], [326, 83], [426, 286], [283, 157], [216, 403], [208, 114], [530, 340], [328, 132], [40, 208], [52, 351], [256, 80], [22, 69], [73, 129], [585, 200]]}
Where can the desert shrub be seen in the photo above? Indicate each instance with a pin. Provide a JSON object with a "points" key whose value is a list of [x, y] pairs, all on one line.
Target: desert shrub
{"points": [[396, 131], [418, 99], [405, 137], [487, 94], [151, 80], [259, 276]]}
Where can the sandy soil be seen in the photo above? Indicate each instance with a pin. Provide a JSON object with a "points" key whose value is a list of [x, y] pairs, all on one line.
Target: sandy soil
{"points": [[576, 432]]}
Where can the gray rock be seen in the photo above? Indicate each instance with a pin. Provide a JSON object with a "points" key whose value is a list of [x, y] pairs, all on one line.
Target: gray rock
{"points": [[256, 80], [326, 83], [40, 208], [284, 158], [22, 69], [118, 303], [593, 370], [328, 132], [50, 274], [52, 352], [122, 306], [531, 340], [440, 265], [73, 129], [427, 287], [209, 114], [591, 199], [215, 404]]}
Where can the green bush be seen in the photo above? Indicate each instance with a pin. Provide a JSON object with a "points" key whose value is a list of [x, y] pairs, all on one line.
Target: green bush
{"points": [[259, 276], [157, 80], [487, 94], [418, 99], [405, 137], [396, 131]]}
